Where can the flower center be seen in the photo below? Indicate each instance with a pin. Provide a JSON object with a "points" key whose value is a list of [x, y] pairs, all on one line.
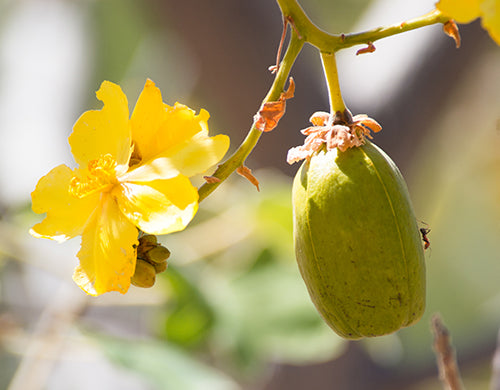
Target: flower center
{"points": [[101, 178]]}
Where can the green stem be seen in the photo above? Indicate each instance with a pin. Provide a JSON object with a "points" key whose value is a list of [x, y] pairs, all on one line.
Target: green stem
{"points": [[332, 80], [240, 155], [327, 42], [428, 19]]}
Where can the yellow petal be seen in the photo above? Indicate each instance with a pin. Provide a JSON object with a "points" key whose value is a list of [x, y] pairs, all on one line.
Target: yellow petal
{"points": [[158, 207], [161, 131], [462, 11], [198, 153], [148, 115], [107, 255], [158, 169], [491, 18], [66, 214], [189, 158], [106, 131], [157, 127]]}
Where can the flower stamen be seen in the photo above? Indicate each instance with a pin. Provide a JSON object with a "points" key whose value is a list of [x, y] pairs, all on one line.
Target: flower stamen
{"points": [[102, 174]]}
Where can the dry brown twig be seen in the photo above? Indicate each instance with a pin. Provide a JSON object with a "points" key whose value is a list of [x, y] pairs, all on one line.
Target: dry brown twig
{"points": [[447, 364]]}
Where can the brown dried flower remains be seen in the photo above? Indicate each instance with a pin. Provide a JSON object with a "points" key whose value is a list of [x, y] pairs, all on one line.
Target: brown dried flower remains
{"points": [[247, 174], [451, 29], [341, 131], [271, 112]]}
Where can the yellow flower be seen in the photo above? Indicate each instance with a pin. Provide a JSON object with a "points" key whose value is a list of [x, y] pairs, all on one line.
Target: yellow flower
{"points": [[465, 11], [132, 173]]}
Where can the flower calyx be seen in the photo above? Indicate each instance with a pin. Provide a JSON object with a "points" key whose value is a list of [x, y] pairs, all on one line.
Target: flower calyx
{"points": [[151, 260], [341, 131]]}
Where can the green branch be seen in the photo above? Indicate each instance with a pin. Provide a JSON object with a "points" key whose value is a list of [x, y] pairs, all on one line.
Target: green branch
{"points": [[327, 42], [239, 157], [428, 19], [303, 30]]}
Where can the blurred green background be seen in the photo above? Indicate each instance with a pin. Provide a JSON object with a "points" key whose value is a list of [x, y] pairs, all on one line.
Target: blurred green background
{"points": [[231, 311]]}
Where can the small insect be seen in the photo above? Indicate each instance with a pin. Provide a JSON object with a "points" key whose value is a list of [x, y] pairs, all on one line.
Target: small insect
{"points": [[424, 232]]}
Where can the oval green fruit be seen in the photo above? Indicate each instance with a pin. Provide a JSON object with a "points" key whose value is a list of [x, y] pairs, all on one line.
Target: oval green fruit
{"points": [[357, 242]]}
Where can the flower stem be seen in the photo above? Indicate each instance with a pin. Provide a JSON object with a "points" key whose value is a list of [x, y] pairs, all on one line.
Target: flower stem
{"points": [[239, 156], [428, 19], [327, 42], [332, 81], [303, 30]]}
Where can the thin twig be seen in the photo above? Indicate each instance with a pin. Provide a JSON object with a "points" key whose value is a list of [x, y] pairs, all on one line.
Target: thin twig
{"points": [[495, 377], [447, 364]]}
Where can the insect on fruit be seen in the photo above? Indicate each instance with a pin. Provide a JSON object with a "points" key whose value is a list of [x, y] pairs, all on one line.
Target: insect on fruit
{"points": [[424, 232]]}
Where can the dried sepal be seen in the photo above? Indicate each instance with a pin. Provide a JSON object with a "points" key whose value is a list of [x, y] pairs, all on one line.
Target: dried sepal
{"points": [[247, 174], [370, 48], [318, 119], [271, 112], [341, 131], [211, 179], [451, 29]]}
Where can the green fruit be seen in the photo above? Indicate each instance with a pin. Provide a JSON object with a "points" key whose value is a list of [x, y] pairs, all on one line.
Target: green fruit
{"points": [[357, 242]]}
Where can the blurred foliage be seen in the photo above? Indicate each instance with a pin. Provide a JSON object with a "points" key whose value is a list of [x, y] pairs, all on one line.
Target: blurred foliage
{"points": [[188, 316], [118, 27], [163, 365], [244, 294]]}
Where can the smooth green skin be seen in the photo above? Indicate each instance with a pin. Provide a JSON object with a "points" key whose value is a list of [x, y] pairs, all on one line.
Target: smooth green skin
{"points": [[357, 242]]}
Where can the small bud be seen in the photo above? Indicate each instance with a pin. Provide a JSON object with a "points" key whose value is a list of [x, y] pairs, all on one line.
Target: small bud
{"points": [[160, 267], [158, 254], [144, 275], [147, 240]]}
